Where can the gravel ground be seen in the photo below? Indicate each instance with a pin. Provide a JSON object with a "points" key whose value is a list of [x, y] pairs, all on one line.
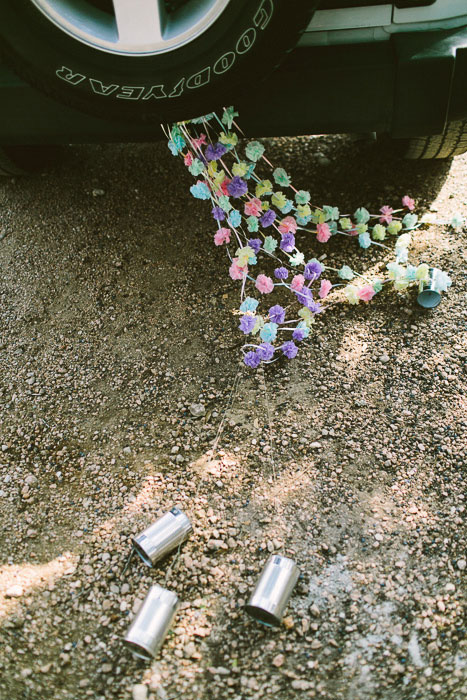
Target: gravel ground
{"points": [[115, 319]]}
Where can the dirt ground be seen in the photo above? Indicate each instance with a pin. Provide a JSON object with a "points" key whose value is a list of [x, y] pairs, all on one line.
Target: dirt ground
{"points": [[115, 319]]}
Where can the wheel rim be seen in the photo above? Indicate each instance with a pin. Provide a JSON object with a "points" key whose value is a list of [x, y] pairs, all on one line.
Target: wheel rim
{"points": [[132, 27]]}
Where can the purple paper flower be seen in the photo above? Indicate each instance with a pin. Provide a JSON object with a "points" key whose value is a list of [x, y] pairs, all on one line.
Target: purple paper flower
{"points": [[289, 349], [267, 218], [299, 334], [215, 152], [312, 270], [277, 314], [287, 243], [281, 273], [247, 323], [305, 296], [218, 213], [265, 351], [255, 243], [252, 359], [237, 187]]}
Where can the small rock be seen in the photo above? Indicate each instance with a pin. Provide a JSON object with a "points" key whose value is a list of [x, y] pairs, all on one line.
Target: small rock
{"points": [[288, 622], [197, 410], [461, 564], [189, 650], [15, 591], [175, 449], [98, 193], [315, 445], [26, 672], [139, 692], [384, 358], [278, 660]]}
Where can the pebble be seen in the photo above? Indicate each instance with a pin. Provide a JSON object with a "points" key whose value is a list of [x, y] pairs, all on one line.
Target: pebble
{"points": [[278, 660], [461, 564], [197, 410], [384, 358], [15, 591], [139, 692]]}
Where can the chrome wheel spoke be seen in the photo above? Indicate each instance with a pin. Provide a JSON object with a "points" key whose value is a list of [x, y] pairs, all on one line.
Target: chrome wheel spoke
{"points": [[139, 22]]}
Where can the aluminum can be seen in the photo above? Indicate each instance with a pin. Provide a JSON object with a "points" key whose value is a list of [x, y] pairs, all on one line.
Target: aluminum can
{"points": [[429, 297], [170, 530], [151, 624], [273, 590]]}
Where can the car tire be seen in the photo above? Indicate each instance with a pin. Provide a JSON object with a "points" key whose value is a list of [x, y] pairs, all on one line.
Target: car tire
{"points": [[103, 61], [452, 142]]}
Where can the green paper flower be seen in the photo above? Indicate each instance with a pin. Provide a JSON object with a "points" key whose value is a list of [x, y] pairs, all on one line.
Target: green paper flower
{"points": [[240, 169], [252, 223], [307, 316], [229, 116], [394, 227], [270, 244], [332, 213], [281, 177], [361, 228], [279, 199], [379, 232], [346, 273], [224, 203], [196, 168], [297, 259], [409, 221], [229, 140], [258, 325], [345, 223], [303, 210], [362, 215], [318, 216], [254, 150], [263, 187], [302, 197]]}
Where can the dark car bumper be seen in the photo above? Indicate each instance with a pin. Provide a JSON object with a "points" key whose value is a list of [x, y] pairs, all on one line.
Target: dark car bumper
{"points": [[409, 86]]}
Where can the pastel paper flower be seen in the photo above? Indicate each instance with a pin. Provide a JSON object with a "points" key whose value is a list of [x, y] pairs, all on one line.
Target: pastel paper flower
{"points": [[200, 190], [288, 206], [312, 270], [362, 215], [408, 202], [297, 283], [325, 288], [299, 334], [268, 218], [268, 332], [188, 159], [253, 207], [237, 187], [423, 272], [279, 199], [441, 280], [409, 221], [323, 233], [264, 284], [270, 244], [225, 203], [247, 323], [229, 116], [252, 359], [289, 349], [277, 314], [457, 222], [386, 214], [297, 259], [263, 187], [351, 293], [281, 273], [218, 213], [214, 152], [287, 243], [255, 244], [236, 272], [366, 293], [281, 177], [222, 236], [302, 197], [303, 211], [288, 225], [346, 273], [364, 240], [331, 213], [196, 168], [198, 142], [229, 139], [394, 228], [252, 223], [378, 232], [235, 218], [249, 304], [346, 224], [265, 351], [254, 150]]}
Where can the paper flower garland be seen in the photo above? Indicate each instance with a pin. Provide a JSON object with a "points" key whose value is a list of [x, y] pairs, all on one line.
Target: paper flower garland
{"points": [[259, 217]]}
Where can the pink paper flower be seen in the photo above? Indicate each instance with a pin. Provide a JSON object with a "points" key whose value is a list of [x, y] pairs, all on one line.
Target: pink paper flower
{"points": [[264, 284], [222, 236], [352, 232], [408, 202], [323, 233], [324, 289], [236, 272], [366, 293], [288, 225], [224, 184], [188, 159], [253, 207], [200, 141], [386, 214], [297, 283]]}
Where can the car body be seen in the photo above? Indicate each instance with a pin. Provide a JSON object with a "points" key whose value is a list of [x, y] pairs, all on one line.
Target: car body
{"points": [[396, 68]]}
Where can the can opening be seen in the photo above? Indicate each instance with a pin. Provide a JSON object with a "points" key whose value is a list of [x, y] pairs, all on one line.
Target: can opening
{"points": [[429, 299], [263, 616], [139, 651], [140, 551]]}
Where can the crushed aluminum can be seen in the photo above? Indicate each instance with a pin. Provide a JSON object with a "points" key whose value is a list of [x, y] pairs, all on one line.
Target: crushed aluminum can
{"points": [[169, 531], [151, 624], [273, 590]]}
